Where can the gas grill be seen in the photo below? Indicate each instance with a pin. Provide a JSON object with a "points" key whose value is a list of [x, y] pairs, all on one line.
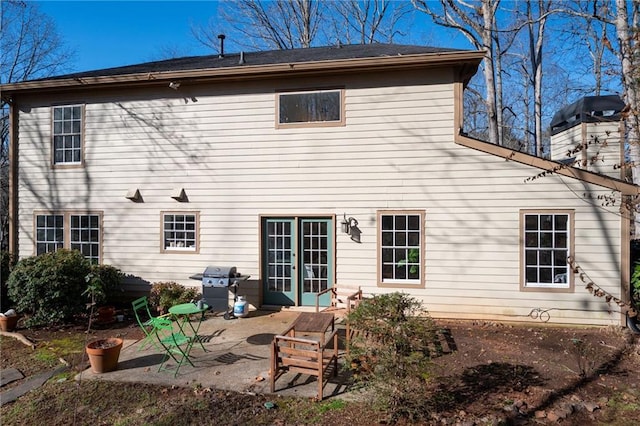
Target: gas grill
{"points": [[216, 283], [219, 276]]}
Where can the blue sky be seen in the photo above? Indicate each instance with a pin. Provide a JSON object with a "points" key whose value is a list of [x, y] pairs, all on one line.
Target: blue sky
{"points": [[108, 34], [114, 33]]}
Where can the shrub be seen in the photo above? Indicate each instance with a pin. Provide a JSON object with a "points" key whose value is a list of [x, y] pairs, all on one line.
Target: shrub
{"points": [[50, 287], [391, 352], [7, 262], [111, 279], [635, 286], [164, 295]]}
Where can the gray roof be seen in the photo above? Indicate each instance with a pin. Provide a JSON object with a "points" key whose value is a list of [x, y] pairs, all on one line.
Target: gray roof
{"points": [[313, 54], [589, 109]]}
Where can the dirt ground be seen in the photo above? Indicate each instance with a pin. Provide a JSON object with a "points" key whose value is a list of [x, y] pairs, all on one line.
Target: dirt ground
{"points": [[488, 373]]}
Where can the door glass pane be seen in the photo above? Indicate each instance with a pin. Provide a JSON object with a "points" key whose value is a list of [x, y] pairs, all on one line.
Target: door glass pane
{"points": [[315, 256], [279, 256]]}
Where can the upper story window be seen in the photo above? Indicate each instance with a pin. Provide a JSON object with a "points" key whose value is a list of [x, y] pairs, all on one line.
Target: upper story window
{"points": [[401, 247], [311, 108], [67, 135], [180, 231], [546, 246]]}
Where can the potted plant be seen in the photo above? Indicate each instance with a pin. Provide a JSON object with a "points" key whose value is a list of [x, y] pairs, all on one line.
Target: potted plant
{"points": [[106, 314], [9, 320], [103, 353]]}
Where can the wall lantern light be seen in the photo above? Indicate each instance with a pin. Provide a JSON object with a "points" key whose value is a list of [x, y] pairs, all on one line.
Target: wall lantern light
{"points": [[133, 194], [179, 195], [350, 226]]}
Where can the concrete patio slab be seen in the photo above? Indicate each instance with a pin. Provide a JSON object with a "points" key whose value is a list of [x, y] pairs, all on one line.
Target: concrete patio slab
{"points": [[236, 357]]}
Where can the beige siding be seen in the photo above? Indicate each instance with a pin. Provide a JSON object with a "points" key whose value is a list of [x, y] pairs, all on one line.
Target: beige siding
{"points": [[602, 140], [396, 151], [564, 143]]}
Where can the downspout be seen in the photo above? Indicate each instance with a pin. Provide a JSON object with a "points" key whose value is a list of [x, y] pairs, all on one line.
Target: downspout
{"points": [[458, 105], [625, 253], [13, 178], [584, 159]]}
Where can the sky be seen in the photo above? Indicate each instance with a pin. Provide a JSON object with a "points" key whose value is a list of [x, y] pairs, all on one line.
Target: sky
{"points": [[108, 34], [115, 33]]}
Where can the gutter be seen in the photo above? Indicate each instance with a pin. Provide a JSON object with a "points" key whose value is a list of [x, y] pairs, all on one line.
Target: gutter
{"points": [[244, 72]]}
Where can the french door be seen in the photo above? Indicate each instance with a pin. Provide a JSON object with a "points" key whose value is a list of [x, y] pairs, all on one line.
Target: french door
{"points": [[297, 256]]}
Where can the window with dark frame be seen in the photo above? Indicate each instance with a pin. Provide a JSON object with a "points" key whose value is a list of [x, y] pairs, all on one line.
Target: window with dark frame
{"points": [[321, 106], [85, 236], [49, 233], [67, 134], [82, 231], [401, 248], [547, 238]]}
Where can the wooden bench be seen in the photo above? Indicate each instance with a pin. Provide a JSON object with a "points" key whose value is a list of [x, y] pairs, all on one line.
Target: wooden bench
{"points": [[342, 298], [305, 348]]}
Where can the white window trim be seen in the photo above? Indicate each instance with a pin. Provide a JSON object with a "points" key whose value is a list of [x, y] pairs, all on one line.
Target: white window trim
{"points": [[569, 286], [187, 250], [70, 164], [397, 283]]}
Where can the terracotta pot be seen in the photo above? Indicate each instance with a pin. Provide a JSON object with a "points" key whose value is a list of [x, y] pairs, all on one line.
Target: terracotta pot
{"points": [[106, 314], [104, 354], [9, 323]]}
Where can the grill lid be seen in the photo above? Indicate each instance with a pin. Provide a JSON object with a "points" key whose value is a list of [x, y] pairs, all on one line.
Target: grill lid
{"points": [[220, 272]]}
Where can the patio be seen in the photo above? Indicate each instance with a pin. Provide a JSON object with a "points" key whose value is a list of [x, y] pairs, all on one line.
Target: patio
{"points": [[237, 358]]}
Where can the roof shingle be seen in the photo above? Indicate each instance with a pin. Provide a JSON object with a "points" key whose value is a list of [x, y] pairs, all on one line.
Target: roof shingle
{"points": [[313, 54]]}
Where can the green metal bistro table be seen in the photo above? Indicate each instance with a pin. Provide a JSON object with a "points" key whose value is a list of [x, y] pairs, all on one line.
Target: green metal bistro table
{"points": [[183, 312]]}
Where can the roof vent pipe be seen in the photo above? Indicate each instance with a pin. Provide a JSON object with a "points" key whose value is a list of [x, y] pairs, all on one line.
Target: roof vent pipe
{"points": [[221, 37], [241, 61]]}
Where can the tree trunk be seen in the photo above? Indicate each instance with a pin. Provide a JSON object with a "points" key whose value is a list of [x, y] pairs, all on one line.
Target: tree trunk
{"points": [[628, 51], [488, 14]]}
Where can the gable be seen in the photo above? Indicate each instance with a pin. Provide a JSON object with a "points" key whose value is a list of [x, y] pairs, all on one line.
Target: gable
{"points": [[625, 188]]}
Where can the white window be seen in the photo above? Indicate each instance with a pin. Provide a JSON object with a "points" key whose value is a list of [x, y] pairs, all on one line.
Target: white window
{"points": [[319, 107], [180, 232], [401, 247], [67, 134], [49, 233], [547, 245], [72, 231]]}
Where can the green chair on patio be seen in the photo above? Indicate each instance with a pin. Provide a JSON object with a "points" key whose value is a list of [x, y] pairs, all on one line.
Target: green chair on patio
{"points": [[176, 345], [146, 321]]}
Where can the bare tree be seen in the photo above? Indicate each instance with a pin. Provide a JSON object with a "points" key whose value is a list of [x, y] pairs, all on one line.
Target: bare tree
{"points": [[626, 23], [594, 33], [262, 24], [536, 21], [288, 24], [367, 21], [477, 22], [29, 48], [592, 28]]}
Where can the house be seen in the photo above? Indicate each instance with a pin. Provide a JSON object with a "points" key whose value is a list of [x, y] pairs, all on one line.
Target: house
{"points": [[309, 168]]}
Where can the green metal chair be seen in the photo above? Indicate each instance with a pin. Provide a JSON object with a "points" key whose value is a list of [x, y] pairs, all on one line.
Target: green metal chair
{"points": [[176, 345], [146, 321]]}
